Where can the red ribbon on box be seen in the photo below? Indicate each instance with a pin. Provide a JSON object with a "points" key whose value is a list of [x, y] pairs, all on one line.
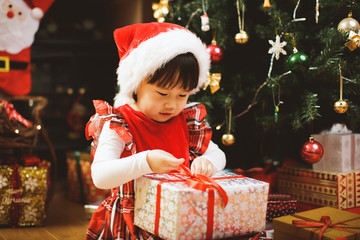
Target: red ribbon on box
{"points": [[323, 224], [200, 182]]}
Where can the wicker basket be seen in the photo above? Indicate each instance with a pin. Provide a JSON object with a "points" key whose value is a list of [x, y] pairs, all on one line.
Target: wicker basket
{"points": [[16, 137], [14, 134]]}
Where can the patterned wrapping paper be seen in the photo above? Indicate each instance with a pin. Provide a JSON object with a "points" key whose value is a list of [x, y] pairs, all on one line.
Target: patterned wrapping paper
{"points": [[341, 152], [84, 191], [183, 213], [280, 205], [285, 229], [321, 188], [23, 205]]}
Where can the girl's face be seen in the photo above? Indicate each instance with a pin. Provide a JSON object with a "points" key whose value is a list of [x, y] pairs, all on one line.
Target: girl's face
{"points": [[160, 103]]}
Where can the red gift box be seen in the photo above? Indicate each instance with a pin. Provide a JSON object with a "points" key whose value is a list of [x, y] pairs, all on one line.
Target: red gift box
{"points": [[322, 188], [80, 185], [279, 205]]}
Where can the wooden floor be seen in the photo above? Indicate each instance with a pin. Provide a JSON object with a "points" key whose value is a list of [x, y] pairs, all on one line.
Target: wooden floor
{"points": [[65, 219]]}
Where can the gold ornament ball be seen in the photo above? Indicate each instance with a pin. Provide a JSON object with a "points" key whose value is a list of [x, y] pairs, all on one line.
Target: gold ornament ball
{"points": [[341, 106], [348, 24], [241, 37], [228, 139]]}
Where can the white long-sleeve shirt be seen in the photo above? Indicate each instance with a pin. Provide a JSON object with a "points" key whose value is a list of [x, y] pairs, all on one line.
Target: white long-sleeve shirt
{"points": [[109, 171]]}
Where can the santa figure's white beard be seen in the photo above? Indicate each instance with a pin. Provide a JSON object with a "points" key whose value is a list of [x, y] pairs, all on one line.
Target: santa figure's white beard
{"points": [[16, 35]]}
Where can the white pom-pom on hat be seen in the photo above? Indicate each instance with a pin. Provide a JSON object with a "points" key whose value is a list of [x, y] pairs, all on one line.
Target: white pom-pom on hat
{"points": [[38, 7], [37, 13]]}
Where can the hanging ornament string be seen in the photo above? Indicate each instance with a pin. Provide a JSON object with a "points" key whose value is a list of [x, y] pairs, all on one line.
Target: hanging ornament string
{"points": [[341, 106], [276, 105], [205, 23], [241, 22], [294, 14], [341, 84], [241, 37], [229, 117], [192, 16], [317, 11], [228, 138], [205, 5]]}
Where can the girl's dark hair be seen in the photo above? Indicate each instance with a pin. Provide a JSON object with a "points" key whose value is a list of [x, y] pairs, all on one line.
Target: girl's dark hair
{"points": [[182, 70]]}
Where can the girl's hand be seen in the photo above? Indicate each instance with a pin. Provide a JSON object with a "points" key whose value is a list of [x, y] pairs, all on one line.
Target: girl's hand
{"points": [[163, 162], [202, 165]]}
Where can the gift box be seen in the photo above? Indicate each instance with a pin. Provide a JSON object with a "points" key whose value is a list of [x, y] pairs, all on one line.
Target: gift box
{"points": [[23, 192], [80, 185], [310, 224], [321, 188], [166, 206], [341, 150], [279, 205]]}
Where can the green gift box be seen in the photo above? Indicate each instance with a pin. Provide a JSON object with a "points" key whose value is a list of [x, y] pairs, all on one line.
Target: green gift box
{"points": [[343, 224]]}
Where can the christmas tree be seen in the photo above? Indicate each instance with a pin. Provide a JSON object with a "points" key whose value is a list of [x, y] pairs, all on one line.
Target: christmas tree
{"points": [[278, 69]]}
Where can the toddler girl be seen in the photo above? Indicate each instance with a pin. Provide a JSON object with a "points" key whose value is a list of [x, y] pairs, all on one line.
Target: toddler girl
{"points": [[152, 127]]}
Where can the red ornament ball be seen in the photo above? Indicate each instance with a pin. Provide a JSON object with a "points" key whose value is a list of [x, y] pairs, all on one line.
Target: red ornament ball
{"points": [[312, 151], [216, 52]]}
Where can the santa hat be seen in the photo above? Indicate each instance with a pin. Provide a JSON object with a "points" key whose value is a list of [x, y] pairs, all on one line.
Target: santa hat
{"points": [[144, 48], [38, 7]]}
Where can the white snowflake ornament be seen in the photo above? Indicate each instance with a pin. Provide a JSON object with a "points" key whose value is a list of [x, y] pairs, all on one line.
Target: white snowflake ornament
{"points": [[30, 213], [277, 47], [31, 184], [3, 181]]}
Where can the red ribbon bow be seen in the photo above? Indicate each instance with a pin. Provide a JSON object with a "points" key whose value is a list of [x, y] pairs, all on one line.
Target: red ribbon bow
{"points": [[323, 224], [200, 182]]}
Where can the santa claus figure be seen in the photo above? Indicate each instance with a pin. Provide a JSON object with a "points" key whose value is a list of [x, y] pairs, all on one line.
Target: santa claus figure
{"points": [[19, 21]]}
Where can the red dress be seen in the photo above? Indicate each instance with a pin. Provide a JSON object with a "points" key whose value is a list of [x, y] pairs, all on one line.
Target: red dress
{"points": [[184, 136]]}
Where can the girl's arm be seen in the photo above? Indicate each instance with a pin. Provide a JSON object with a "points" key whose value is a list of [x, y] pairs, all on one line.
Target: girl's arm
{"points": [[210, 162], [108, 170], [215, 155]]}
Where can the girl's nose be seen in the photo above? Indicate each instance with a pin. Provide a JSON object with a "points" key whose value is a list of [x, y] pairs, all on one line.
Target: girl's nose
{"points": [[170, 104]]}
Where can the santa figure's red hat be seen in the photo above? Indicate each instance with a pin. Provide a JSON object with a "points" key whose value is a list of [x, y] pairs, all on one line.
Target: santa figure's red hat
{"points": [[39, 7], [144, 48]]}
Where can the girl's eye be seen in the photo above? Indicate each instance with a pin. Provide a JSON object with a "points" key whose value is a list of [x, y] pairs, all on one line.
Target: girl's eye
{"points": [[162, 94], [182, 95]]}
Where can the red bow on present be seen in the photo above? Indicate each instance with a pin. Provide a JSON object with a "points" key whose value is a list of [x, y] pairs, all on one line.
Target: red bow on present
{"points": [[323, 224], [200, 182]]}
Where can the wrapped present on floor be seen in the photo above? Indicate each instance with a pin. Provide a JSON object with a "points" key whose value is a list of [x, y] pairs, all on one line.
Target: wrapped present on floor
{"points": [[321, 188], [341, 150], [23, 192], [266, 174], [80, 185], [321, 223], [280, 205], [166, 206]]}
